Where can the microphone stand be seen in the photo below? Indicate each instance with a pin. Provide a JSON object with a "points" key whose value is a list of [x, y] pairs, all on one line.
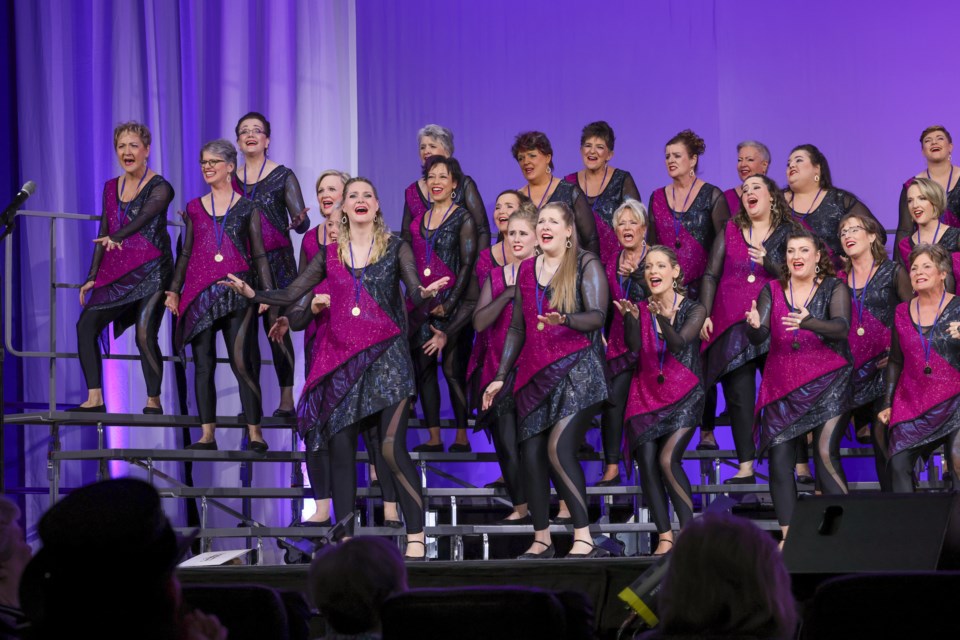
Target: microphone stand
{"points": [[7, 225]]}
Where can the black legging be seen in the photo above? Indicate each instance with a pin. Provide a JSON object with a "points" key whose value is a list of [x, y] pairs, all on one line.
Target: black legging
{"points": [[428, 385], [903, 462], [282, 354], [392, 430], [865, 415], [92, 323], [505, 443], [740, 396], [318, 469], [661, 469], [611, 419], [553, 453], [826, 459], [709, 419], [240, 339]]}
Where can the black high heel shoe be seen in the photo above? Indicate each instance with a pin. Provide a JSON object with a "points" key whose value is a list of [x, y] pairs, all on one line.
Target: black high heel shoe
{"points": [[422, 558], [548, 552]]}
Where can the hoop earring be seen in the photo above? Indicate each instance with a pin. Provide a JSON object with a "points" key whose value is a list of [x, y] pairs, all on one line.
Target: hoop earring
{"points": [[675, 285], [818, 270], [569, 244], [816, 178], [549, 170], [453, 195], [343, 220], [692, 174]]}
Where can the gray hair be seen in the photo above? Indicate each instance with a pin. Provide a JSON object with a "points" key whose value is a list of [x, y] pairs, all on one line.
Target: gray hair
{"points": [[222, 148], [634, 206], [759, 146], [441, 134]]}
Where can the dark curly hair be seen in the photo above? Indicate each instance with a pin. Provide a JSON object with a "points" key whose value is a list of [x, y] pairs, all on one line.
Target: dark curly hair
{"points": [[779, 209], [451, 163], [824, 265], [599, 129], [818, 160], [530, 141], [693, 143]]}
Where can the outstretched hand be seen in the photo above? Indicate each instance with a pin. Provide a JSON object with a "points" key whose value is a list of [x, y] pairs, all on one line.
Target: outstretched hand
{"points": [[553, 318], [436, 343], [279, 329], [107, 243], [238, 285], [432, 289], [490, 393], [753, 316], [627, 306]]}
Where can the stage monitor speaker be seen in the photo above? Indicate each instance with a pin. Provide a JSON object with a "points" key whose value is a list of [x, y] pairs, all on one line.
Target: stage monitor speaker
{"points": [[832, 535]]}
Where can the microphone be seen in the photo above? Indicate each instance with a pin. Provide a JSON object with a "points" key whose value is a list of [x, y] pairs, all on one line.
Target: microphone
{"points": [[25, 192]]}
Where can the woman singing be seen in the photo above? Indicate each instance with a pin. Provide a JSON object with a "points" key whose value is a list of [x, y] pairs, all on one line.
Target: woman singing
{"points": [[444, 242], [753, 159], [362, 375], [926, 202], [923, 377], [434, 140], [222, 236], [807, 383], [131, 268], [610, 187], [276, 191], [877, 285], [744, 258], [626, 282], [936, 143], [689, 213], [816, 203], [491, 319], [666, 391], [554, 341], [534, 154]]}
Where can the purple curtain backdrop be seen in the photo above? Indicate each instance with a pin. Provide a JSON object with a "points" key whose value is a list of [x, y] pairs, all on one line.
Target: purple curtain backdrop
{"points": [[860, 81], [188, 70]]}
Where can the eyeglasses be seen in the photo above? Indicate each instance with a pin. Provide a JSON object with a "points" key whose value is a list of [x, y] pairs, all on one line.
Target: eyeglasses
{"points": [[251, 132], [210, 163], [850, 231]]}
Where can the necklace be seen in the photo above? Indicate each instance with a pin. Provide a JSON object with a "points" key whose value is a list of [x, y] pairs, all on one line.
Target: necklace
{"points": [[796, 337], [859, 301], [586, 194], [753, 265], [121, 212], [677, 214], [220, 228], [544, 197], [803, 216], [253, 192], [358, 282], [661, 344], [541, 298], [432, 240], [926, 342], [949, 178]]}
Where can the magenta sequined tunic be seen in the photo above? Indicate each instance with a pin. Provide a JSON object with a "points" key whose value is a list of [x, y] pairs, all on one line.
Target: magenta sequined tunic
{"points": [[202, 300], [618, 188], [879, 302], [559, 370], [270, 195], [950, 240], [654, 409], [733, 200], [362, 363], [926, 407], [144, 264], [633, 288], [801, 388], [484, 362], [312, 241], [949, 216], [729, 346], [693, 230]]}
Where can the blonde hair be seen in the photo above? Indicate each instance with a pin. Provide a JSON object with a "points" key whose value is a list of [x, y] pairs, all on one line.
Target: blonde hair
{"points": [[633, 206], [344, 177], [932, 191], [563, 297], [381, 233], [136, 128], [527, 212]]}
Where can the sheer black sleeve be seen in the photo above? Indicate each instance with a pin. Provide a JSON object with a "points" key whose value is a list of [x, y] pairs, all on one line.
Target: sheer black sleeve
{"points": [[405, 223], [776, 248], [585, 222], [302, 285], [631, 332], [711, 277], [630, 189], [257, 252], [652, 239], [719, 210], [293, 197], [468, 302], [764, 307], [468, 259], [489, 308], [852, 205], [183, 258], [407, 266], [837, 325], [902, 280], [905, 220], [474, 204], [894, 369], [516, 335], [678, 340], [98, 249], [595, 292], [156, 204]]}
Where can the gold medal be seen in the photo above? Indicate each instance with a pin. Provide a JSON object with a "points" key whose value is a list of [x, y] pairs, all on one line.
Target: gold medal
{"points": [[355, 311], [218, 257], [540, 326], [427, 272], [751, 278], [861, 331]]}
